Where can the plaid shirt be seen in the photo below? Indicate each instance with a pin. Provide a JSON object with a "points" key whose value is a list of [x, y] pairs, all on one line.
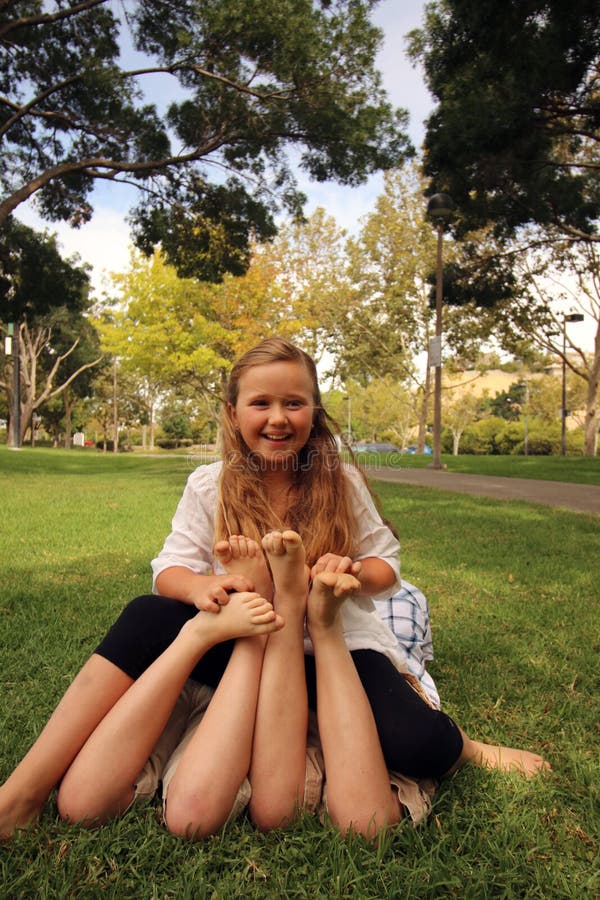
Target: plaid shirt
{"points": [[407, 614]]}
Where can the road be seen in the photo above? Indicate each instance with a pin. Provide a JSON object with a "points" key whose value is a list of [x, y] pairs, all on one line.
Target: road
{"points": [[578, 497]]}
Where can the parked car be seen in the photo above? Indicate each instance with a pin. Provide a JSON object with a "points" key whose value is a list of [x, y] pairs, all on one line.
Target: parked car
{"points": [[412, 449]]}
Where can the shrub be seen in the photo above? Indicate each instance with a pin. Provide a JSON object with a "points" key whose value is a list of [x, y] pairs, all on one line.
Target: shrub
{"points": [[173, 443], [510, 437], [483, 437]]}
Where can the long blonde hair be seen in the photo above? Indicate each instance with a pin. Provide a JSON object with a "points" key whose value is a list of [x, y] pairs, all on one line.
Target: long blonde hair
{"points": [[320, 507]]}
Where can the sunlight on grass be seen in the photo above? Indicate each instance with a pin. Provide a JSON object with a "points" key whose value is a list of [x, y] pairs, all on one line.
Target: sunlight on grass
{"points": [[513, 590]]}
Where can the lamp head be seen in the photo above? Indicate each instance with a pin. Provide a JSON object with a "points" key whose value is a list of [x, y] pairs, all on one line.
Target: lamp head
{"points": [[440, 206]]}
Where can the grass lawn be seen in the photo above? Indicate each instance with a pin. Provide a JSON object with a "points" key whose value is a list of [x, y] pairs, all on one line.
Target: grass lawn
{"points": [[579, 469], [513, 590]]}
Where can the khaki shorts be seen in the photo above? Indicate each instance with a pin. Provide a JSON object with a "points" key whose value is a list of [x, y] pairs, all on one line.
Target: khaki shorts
{"points": [[414, 796]]}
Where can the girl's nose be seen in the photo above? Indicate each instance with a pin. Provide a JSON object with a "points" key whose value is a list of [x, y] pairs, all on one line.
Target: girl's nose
{"points": [[277, 413]]}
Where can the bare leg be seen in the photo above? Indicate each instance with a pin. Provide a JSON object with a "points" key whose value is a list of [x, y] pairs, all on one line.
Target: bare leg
{"points": [[505, 759], [94, 690], [359, 795], [278, 768], [217, 759], [203, 789], [100, 782]]}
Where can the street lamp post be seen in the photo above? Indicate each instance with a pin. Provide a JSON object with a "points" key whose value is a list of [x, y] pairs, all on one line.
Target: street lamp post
{"points": [[525, 409], [439, 208], [349, 420], [567, 317], [14, 333]]}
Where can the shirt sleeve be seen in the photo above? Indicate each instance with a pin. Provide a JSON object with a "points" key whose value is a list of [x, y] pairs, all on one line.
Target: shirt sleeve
{"points": [[375, 538], [191, 540]]}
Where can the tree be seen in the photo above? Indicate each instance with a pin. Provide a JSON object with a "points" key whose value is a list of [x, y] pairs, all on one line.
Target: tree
{"points": [[42, 368], [250, 79], [460, 409], [514, 137], [308, 263], [560, 275], [44, 297], [178, 333], [77, 335], [387, 319], [176, 425]]}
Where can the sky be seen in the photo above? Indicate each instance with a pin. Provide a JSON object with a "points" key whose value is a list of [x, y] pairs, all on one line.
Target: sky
{"points": [[104, 242]]}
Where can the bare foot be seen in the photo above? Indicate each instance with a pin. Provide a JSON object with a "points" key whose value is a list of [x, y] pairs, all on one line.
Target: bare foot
{"points": [[246, 615], [16, 814], [509, 759], [328, 593], [287, 559], [240, 555]]}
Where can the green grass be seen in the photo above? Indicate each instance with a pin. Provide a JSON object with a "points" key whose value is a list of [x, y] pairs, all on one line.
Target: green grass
{"points": [[513, 590], [580, 469]]}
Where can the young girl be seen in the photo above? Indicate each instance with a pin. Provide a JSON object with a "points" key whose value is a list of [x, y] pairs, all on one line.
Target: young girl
{"points": [[281, 473]]}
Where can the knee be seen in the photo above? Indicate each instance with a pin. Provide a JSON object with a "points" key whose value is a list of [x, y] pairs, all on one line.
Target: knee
{"points": [[369, 823], [80, 801], [76, 805], [267, 816], [192, 817]]}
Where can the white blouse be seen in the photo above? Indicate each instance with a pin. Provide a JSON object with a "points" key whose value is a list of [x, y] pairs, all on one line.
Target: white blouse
{"points": [[191, 541]]}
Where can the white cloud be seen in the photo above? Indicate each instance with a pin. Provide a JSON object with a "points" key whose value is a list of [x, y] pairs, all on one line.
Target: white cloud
{"points": [[104, 242]]}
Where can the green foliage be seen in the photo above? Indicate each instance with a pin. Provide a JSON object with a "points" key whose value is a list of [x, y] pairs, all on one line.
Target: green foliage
{"points": [[508, 404], [484, 436], [514, 136], [249, 80], [34, 277], [177, 426]]}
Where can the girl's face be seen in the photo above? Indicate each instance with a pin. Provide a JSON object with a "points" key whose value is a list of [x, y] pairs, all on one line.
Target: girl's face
{"points": [[274, 410]]}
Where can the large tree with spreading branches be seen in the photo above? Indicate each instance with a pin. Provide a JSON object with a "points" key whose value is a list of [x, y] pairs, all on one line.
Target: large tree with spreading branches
{"points": [[514, 136], [249, 81]]}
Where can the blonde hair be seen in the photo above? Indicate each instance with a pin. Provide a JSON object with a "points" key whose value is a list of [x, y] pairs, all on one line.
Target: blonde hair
{"points": [[320, 507]]}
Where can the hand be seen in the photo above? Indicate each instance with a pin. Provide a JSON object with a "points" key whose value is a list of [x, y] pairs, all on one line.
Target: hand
{"points": [[331, 562], [213, 592]]}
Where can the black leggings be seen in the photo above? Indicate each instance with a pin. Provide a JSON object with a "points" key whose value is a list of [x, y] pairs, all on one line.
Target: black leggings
{"points": [[417, 741]]}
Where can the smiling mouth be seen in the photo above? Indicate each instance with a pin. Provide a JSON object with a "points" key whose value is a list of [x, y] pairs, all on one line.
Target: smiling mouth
{"points": [[277, 438]]}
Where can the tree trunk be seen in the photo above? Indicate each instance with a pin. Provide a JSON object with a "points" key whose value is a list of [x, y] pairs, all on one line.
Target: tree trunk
{"points": [[68, 411], [591, 414], [151, 426], [115, 410], [424, 411]]}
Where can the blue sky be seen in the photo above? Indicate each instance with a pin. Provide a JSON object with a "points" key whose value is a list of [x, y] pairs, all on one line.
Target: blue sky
{"points": [[104, 242]]}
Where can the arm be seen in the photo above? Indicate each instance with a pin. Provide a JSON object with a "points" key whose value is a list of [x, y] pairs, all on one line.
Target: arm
{"points": [[183, 568]]}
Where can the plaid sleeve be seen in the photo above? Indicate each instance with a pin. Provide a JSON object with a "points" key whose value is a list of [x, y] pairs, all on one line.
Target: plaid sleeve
{"points": [[407, 614]]}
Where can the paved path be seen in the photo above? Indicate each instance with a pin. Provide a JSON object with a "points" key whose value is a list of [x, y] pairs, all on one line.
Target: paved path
{"points": [[579, 497]]}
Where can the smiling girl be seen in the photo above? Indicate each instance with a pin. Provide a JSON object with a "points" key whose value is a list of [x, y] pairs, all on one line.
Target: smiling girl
{"points": [[281, 549]]}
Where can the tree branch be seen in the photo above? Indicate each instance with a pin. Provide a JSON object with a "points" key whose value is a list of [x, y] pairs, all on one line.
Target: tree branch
{"points": [[46, 18]]}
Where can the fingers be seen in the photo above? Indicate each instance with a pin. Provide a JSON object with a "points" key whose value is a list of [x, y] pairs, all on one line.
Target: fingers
{"points": [[331, 562], [228, 583]]}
